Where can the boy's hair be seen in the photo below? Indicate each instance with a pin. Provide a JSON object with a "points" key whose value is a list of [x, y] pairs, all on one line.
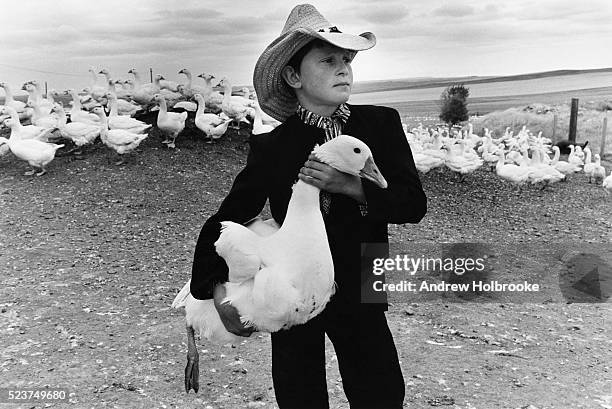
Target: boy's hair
{"points": [[297, 58]]}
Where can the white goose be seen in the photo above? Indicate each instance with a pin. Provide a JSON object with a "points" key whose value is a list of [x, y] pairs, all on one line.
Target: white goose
{"points": [[168, 85], [284, 278], [11, 102], [574, 158], [125, 122], [258, 125], [599, 172], [170, 123], [37, 153], [566, 168], [212, 125], [541, 172], [19, 131], [143, 93], [190, 90], [607, 183], [171, 97], [77, 114], [124, 92], [233, 106], [119, 140], [41, 118], [588, 165], [462, 160], [35, 98], [213, 99], [517, 175], [80, 133], [96, 91]]}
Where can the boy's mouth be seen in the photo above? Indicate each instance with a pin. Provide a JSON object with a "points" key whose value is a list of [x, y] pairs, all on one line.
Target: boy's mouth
{"points": [[342, 83]]}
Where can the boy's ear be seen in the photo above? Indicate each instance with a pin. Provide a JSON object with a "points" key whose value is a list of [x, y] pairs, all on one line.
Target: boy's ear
{"points": [[291, 77]]}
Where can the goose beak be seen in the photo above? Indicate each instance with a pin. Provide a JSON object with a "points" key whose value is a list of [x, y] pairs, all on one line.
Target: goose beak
{"points": [[370, 171]]}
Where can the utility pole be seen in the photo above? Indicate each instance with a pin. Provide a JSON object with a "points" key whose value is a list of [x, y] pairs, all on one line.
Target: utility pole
{"points": [[573, 120]]}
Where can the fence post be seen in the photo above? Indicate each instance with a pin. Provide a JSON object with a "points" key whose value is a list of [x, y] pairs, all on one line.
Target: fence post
{"points": [[602, 149], [573, 120], [151, 74]]}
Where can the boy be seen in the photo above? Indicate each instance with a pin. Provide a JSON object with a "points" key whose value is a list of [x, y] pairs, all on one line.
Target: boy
{"points": [[304, 79]]}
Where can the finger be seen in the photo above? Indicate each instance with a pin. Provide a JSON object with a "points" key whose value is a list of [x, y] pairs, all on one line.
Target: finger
{"points": [[315, 174], [310, 180], [316, 165]]}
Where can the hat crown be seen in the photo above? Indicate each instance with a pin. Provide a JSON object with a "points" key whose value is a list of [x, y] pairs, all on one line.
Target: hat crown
{"points": [[305, 16]]}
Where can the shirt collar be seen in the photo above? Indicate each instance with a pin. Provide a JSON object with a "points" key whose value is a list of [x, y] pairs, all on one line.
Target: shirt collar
{"points": [[341, 114]]}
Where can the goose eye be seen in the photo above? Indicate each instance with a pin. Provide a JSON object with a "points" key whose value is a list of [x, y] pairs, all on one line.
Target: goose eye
{"points": [[357, 150]]}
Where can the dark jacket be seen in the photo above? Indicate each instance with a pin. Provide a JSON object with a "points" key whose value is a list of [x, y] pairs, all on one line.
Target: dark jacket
{"points": [[272, 167]]}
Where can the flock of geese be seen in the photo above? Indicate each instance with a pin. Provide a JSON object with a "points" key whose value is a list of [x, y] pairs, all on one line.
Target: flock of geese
{"points": [[519, 159], [107, 111]]}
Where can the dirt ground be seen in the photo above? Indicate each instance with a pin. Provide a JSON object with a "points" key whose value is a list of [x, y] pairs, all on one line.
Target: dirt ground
{"points": [[92, 255]]}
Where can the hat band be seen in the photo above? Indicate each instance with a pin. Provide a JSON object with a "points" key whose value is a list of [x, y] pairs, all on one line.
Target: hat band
{"points": [[333, 29]]}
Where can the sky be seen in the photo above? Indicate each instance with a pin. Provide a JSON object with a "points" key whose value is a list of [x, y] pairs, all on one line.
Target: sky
{"points": [[57, 41]]}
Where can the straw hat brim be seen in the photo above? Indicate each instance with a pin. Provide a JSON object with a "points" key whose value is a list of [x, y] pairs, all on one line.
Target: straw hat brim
{"points": [[273, 94]]}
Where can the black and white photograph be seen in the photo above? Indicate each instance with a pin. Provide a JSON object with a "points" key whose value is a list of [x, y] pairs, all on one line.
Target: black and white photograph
{"points": [[324, 205]]}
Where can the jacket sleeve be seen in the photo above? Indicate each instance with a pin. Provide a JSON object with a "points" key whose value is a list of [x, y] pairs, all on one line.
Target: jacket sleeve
{"points": [[245, 201], [403, 201]]}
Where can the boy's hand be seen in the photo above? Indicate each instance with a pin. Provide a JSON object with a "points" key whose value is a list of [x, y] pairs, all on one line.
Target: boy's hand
{"points": [[326, 178], [229, 314]]}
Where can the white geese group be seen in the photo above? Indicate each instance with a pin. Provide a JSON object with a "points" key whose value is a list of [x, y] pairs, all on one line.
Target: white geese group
{"points": [[81, 124], [519, 159]]}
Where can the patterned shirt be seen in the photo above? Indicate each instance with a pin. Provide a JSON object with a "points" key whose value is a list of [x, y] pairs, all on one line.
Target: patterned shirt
{"points": [[333, 127]]}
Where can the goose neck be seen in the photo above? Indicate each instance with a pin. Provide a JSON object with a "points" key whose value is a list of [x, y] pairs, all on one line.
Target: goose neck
{"points": [[163, 109], [62, 118], [113, 107], [200, 109], [188, 75], [8, 95], [304, 204]]}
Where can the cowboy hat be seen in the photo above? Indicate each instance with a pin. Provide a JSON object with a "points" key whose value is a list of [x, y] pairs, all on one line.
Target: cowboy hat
{"points": [[304, 24]]}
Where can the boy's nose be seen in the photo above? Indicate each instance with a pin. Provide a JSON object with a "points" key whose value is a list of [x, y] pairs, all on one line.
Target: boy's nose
{"points": [[344, 68]]}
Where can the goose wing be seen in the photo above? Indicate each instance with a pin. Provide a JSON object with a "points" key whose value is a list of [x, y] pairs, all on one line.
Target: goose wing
{"points": [[239, 248]]}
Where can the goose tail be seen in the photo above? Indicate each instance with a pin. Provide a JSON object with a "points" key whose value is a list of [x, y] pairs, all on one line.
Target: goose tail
{"points": [[181, 297]]}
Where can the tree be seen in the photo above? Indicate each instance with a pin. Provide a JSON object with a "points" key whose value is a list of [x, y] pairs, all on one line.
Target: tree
{"points": [[453, 103]]}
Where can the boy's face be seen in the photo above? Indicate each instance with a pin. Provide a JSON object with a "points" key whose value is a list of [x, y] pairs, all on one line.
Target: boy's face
{"points": [[325, 78]]}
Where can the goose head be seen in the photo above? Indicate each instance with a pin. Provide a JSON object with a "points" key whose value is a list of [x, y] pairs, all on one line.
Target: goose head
{"points": [[58, 109], [224, 82], [349, 155], [158, 98], [100, 112], [184, 71], [199, 99], [3, 140], [11, 123], [132, 71], [206, 76], [104, 71]]}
